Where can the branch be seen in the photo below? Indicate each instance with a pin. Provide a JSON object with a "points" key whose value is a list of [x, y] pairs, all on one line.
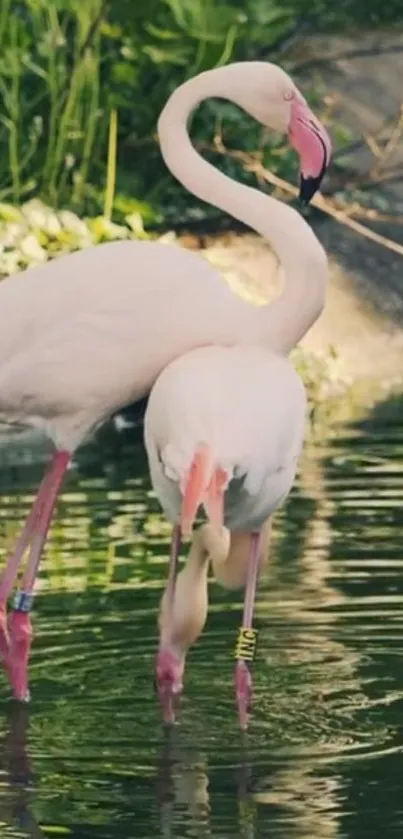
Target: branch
{"points": [[92, 30], [284, 41], [323, 204], [351, 179], [365, 52]]}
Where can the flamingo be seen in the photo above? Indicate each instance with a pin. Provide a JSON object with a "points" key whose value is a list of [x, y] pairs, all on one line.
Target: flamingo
{"points": [[89, 333], [184, 603], [224, 428]]}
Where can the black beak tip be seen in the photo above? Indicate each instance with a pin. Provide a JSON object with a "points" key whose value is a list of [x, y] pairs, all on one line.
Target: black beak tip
{"points": [[307, 189]]}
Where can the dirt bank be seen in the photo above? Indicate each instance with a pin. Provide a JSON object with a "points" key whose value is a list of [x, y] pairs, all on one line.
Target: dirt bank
{"points": [[356, 324]]}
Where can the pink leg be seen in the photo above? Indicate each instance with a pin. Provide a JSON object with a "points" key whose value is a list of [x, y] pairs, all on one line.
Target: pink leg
{"points": [[10, 572], [168, 671], [247, 637], [19, 624]]}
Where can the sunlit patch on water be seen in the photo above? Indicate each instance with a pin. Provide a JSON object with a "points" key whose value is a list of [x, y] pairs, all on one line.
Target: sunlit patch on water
{"points": [[89, 757]]}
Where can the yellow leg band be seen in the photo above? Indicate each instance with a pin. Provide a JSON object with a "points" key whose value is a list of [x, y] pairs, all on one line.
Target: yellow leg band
{"points": [[246, 644]]}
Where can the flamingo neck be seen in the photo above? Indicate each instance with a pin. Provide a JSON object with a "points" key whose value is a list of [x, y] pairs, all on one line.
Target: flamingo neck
{"points": [[230, 570], [281, 324], [208, 546], [198, 560]]}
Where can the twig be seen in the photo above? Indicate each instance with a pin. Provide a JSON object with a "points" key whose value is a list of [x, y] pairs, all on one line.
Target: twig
{"points": [[390, 145], [286, 40], [323, 204], [87, 44], [365, 52], [351, 178], [92, 30]]}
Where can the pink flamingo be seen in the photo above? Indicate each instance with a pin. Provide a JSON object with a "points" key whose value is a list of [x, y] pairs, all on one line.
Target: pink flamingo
{"points": [[90, 332], [184, 604], [224, 428]]}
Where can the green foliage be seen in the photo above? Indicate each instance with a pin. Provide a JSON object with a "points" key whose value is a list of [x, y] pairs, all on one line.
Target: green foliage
{"points": [[347, 13], [322, 376], [34, 233], [67, 65]]}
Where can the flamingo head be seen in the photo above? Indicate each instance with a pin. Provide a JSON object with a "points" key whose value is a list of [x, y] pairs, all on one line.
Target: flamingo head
{"points": [[169, 682], [269, 95], [310, 139]]}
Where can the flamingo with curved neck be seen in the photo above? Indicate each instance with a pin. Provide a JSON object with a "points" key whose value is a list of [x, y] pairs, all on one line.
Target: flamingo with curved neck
{"points": [[224, 430], [86, 334], [282, 107]]}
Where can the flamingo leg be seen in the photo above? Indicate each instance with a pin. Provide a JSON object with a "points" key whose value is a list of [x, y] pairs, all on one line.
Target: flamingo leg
{"points": [[168, 671], [246, 645], [10, 572], [19, 622]]}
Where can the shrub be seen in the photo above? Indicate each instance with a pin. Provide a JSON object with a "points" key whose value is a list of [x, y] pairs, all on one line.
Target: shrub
{"points": [[67, 65]]}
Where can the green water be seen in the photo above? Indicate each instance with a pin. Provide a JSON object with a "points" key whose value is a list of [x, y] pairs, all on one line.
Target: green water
{"points": [[89, 757]]}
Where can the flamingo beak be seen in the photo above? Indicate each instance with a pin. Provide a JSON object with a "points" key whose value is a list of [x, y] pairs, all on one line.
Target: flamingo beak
{"points": [[310, 139], [194, 487], [214, 498], [204, 485]]}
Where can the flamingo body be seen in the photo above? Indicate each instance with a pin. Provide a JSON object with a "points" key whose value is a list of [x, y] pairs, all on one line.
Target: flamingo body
{"points": [[248, 405], [91, 332]]}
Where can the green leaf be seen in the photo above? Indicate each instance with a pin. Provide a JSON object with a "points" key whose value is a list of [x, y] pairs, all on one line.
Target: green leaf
{"points": [[178, 56], [161, 34], [125, 73], [113, 31]]}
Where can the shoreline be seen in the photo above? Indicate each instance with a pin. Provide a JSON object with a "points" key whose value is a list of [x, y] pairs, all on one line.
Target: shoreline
{"points": [[359, 339]]}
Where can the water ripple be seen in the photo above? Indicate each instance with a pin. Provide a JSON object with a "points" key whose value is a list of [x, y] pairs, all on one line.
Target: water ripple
{"points": [[90, 758]]}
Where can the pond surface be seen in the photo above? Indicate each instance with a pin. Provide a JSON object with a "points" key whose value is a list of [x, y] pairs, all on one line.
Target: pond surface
{"points": [[89, 758]]}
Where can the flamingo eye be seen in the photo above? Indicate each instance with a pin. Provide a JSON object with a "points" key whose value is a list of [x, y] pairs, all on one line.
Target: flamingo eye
{"points": [[289, 95]]}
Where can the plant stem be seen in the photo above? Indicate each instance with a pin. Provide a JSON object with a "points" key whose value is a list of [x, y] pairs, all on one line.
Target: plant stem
{"points": [[14, 111], [91, 124], [111, 167]]}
